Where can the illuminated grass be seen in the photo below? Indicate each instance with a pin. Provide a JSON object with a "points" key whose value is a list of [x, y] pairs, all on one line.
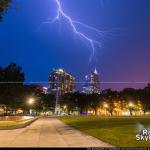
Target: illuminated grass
{"points": [[118, 131], [10, 123]]}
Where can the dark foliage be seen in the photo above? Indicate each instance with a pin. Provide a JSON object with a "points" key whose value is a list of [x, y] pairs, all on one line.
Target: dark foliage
{"points": [[11, 85], [4, 4]]}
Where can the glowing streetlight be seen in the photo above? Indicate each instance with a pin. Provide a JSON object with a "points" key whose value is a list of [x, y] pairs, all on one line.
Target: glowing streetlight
{"points": [[106, 105], [31, 101], [131, 108], [65, 106], [130, 104]]}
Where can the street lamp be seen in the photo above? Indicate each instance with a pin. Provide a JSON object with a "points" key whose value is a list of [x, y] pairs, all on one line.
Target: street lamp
{"points": [[31, 101], [65, 106], [105, 106], [130, 104], [131, 108]]}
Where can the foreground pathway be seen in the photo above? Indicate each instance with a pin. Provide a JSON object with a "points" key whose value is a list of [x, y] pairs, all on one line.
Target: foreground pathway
{"points": [[48, 132]]}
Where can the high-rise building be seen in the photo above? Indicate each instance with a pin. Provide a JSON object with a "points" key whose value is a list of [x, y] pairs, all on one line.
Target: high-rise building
{"points": [[60, 82], [92, 83]]}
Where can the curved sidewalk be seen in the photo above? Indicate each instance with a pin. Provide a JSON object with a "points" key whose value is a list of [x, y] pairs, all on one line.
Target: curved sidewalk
{"points": [[48, 132]]}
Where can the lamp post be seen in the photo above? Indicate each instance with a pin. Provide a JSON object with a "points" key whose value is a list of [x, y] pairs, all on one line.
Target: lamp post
{"points": [[106, 107], [30, 103], [57, 109], [131, 108], [65, 109]]}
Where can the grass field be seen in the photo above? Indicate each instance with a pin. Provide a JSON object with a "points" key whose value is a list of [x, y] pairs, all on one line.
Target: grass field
{"points": [[118, 131], [10, 123]]}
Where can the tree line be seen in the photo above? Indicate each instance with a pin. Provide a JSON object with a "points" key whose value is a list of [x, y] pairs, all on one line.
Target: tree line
{"points": [[129, 99], [14, 94]]}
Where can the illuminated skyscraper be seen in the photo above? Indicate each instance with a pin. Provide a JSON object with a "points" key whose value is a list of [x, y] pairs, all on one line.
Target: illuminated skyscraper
{"points": [[92, 83], [60, 82]]}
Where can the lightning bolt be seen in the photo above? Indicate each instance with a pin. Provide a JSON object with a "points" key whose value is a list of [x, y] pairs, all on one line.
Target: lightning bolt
{"points": [[74, 24]]}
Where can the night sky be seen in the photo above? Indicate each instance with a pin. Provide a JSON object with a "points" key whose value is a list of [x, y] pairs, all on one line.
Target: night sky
{"points": [[123, 57]]}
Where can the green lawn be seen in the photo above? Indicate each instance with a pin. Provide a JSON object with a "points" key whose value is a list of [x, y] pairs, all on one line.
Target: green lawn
{"points": [[118, 131], [10, 123]]}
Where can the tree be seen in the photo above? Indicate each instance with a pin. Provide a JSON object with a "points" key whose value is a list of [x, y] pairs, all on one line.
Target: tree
{"points": [[75, 101], [109, 97], [144, 95], [49, 102], [3, 7], [82, 102], [42, 102], [2, 109], [94, 101], [11, 85], [129, 97], [69, 99]]}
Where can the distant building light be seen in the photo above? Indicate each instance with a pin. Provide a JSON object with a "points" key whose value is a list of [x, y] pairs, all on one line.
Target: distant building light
{"points": [[86, 77]]}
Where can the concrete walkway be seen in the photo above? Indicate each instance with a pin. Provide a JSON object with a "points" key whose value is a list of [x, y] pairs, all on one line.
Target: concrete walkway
{"points": [[48, 132]]}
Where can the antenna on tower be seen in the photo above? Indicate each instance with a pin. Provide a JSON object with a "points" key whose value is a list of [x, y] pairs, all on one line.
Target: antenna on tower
{"points": [[95, 71]]}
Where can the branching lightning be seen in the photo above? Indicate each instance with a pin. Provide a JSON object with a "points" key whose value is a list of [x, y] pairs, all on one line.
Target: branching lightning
{"points": [[74, 24]]}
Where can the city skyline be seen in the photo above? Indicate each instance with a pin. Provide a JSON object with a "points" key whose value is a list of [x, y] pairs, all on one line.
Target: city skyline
{"points": [[122, 62]]}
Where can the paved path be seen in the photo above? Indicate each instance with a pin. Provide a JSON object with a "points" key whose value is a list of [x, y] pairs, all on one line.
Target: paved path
{"points": [[48, 132]]}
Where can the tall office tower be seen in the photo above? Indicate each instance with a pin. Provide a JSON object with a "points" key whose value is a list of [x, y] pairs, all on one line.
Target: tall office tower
{"points": [[92, 83], [60, 82]]}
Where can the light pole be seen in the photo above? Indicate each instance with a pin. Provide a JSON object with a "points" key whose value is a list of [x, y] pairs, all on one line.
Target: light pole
{"points": [[106, 107], [57, 89], [30, 102], [65, 109], [56, 104], [131, 108]]}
